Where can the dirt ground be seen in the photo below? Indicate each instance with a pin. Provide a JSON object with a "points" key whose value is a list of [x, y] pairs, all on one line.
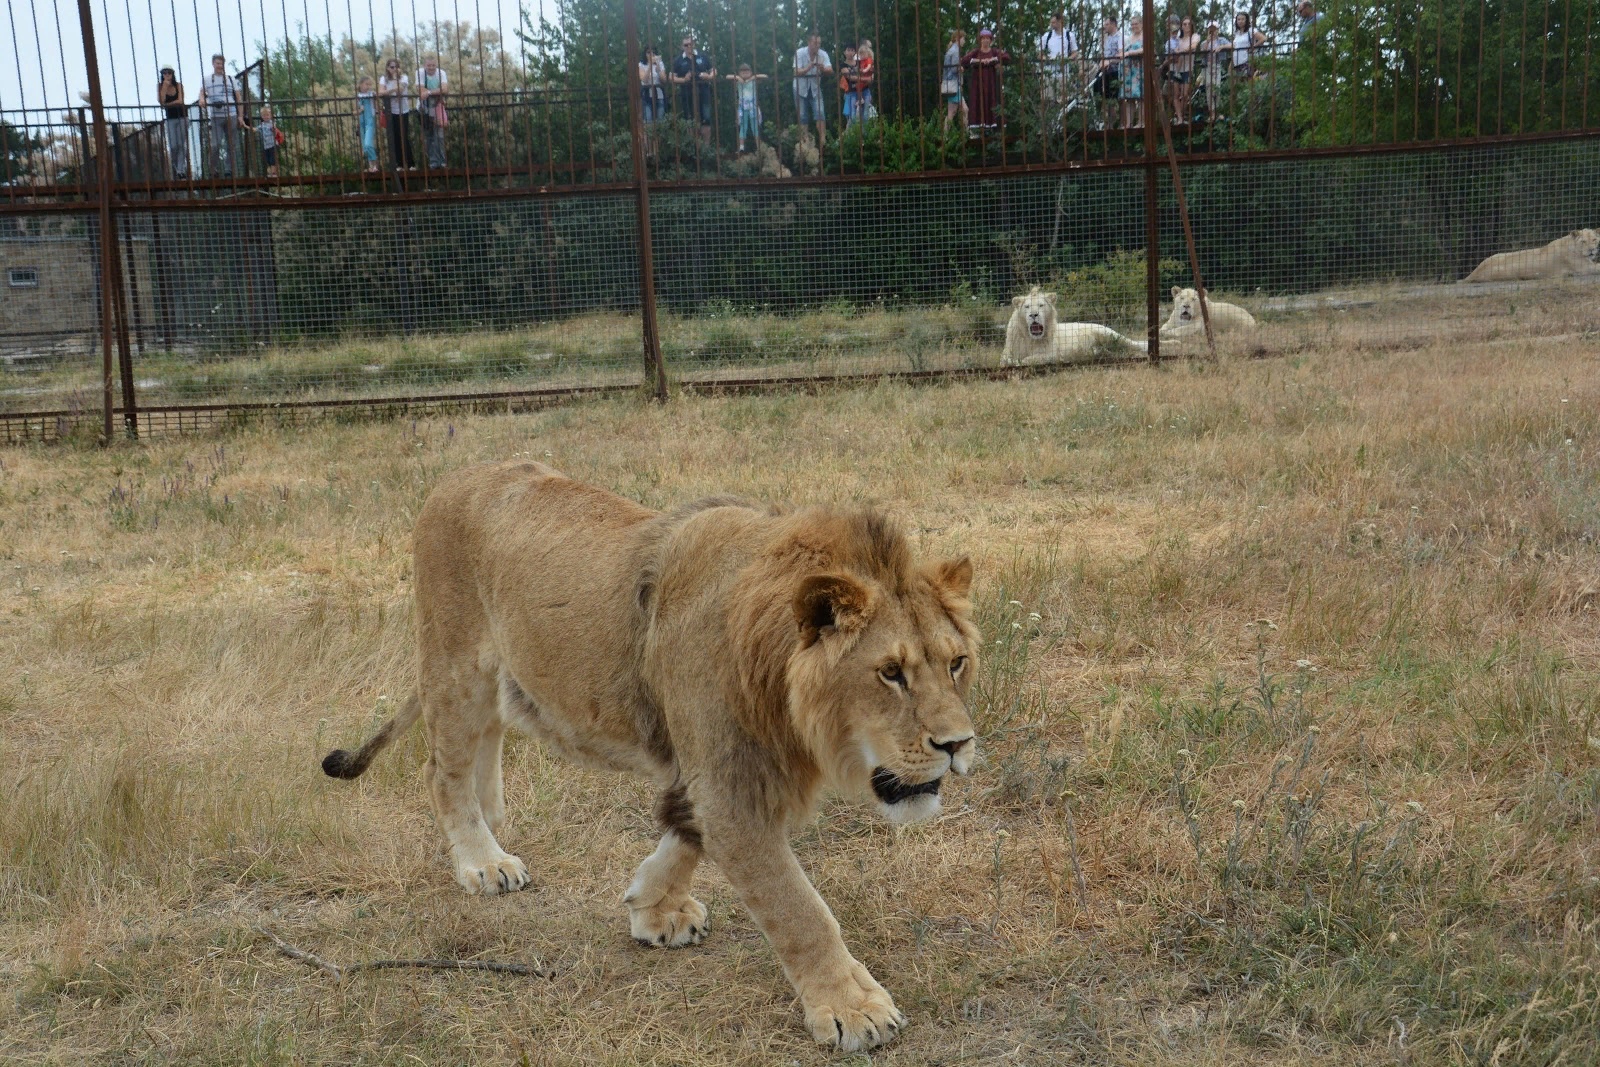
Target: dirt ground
{"points": [[1288, 715]]}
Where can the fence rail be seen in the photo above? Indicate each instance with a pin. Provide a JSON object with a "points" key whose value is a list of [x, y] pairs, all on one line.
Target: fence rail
{"points": [[1336, 178]]}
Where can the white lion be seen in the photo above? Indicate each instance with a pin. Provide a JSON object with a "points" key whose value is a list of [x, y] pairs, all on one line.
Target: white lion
{"points": [[1034, 336], [1575, 253], [1185, 320]]}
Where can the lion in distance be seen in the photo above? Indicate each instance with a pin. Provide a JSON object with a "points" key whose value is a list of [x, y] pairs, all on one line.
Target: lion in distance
{"points": [[1576, 253], [1185, 321], [740, 657], [1033, 336]]}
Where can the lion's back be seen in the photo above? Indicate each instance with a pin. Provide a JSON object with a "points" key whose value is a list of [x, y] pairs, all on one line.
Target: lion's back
{"points": [[1565, 255]]}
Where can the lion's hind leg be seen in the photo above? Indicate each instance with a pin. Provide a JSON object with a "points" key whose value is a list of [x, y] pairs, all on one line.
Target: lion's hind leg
{"points": [[660, 909], [465, 730]]}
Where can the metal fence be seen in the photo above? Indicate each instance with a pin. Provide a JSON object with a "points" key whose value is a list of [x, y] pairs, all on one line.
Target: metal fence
{"points": [[1336, 174]]}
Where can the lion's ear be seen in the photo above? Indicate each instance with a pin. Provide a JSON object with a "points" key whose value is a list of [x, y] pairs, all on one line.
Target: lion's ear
{"points": [[1050, 297], [825, 601], [1018, 301], [953, 576], [1175, 292]]}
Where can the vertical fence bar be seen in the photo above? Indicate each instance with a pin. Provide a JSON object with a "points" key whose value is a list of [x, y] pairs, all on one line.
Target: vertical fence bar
{"points": [[108, 235], [1188, 238], [1152, 218], [655, 371]]}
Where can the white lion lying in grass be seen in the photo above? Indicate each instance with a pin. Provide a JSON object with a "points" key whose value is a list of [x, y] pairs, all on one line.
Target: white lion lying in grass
{"points": [[1034, 336], [1573, 254], [1185, 321]]}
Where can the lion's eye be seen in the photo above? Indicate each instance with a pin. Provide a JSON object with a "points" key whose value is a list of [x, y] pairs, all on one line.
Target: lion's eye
{"points": [[958, 665], [891, 673]]}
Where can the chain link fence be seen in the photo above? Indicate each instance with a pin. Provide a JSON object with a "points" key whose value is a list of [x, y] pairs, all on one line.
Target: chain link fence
{"points": [[513, 275]]}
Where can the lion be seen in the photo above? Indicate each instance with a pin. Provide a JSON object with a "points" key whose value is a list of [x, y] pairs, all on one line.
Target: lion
{"points": [[739, 657], [1033, 336], [1576, 253], [1186, 322]]}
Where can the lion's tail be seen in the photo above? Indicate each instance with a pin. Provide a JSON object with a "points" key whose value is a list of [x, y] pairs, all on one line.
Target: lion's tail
{"points": [[342, 763]]}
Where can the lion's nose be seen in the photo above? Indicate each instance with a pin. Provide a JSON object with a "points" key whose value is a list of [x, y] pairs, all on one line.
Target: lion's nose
{"points": [[952, 746]]}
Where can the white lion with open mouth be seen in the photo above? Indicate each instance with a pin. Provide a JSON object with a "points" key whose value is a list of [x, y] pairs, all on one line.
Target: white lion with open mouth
{"points": [[1186, 322], [1034, 336]]}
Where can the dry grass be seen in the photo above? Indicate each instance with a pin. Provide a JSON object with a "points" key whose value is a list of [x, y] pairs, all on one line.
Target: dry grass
{"points": [[1290, 715]]}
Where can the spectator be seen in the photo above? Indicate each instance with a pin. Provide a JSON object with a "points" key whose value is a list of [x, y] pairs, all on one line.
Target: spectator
{"points": [[271, 138], [950, 80], [811, 65], [1057, 47], [367, 122], [985, 62], [1178, 67], [693, 74], [1213, 52], [1309, 17], [652, 94], [395, 90], [849, 84], [652, 78], [220, 94], [1247, 44], [744, 91], [867, 67], [1130, 78], [169, 94], [1106, 74], [433, 85]]}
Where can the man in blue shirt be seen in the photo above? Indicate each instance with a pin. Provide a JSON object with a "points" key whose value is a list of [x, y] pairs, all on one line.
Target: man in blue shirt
{"points": [[1309, 17], [694, 75]]}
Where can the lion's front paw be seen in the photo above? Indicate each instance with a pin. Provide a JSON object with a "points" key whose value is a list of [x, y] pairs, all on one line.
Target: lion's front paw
{"points": [[501, 873], [853, 1014], [671, 923]]}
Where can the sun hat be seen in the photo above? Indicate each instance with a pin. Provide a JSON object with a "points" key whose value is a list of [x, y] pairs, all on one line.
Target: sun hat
{"points": [[986, 32]]}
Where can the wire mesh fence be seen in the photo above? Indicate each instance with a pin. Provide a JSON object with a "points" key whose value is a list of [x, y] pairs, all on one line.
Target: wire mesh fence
{"points": [[308, 232]]}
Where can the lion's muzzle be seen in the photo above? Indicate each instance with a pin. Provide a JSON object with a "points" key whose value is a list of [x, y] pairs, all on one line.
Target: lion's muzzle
{"points": [[1035, 329]]}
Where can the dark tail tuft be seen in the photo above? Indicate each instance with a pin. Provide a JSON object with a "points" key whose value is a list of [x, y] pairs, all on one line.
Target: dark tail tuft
{"points": [[341, 763]]}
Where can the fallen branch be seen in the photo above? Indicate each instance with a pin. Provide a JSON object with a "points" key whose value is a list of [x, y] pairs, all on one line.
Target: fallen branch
{"points": [[340, 973]]}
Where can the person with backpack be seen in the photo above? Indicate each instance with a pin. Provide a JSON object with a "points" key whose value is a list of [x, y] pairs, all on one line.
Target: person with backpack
{"points": [[220, 95]]}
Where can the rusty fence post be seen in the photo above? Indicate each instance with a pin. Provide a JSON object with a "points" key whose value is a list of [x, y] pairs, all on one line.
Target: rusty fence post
{"points": [[1152, 194], [1188, 235], [108, 233], [654, 369]]}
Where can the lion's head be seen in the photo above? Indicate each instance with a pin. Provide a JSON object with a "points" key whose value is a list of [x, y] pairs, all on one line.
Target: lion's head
{"points": [[1588, 242], [881, 654], [1032, 325], [1185, 306]]}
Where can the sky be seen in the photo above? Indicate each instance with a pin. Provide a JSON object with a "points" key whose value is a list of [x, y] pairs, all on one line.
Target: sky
{"points": [[135, 39]]}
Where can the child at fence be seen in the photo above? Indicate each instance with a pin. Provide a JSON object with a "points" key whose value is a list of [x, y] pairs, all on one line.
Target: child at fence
{"points": [[950, 80], [849, 75], [271, 138], [744, 89], [367, 121], [866, 74]]}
